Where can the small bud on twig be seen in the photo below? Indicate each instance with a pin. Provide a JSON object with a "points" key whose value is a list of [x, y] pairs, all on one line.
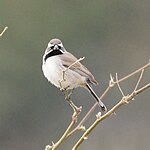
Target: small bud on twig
{"points": [[82, 127], [48, 147], [98, 115]]}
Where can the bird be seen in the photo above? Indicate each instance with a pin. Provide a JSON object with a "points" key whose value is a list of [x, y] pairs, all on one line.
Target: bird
{"points": [[56, 59]]}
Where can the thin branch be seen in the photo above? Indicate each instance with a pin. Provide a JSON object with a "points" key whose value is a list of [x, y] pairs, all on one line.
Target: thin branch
{"points": [[142, 89], [74, 116], [78, 127], [63, 137], [112, 83], [124, 100], [74, 63], [64, 71], [66, 132], [119, 85], [133, 73], [140, 78], [4, 30], [74, 107]]}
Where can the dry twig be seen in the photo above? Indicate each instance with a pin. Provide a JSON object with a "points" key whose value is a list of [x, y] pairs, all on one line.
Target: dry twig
{"points": [[99, 117], [76, 112], [4, 30], [125, 100], [111, 84]]}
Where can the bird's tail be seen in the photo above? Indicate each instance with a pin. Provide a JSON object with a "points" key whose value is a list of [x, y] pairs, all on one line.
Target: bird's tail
{"points": [[99, 102]]}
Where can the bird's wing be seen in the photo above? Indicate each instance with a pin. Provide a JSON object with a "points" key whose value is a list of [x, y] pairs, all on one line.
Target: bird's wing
{"points": [[68, 59]]}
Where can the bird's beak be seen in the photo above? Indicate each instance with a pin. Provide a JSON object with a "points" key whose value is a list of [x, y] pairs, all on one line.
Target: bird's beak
{"points": [[56, 47]]}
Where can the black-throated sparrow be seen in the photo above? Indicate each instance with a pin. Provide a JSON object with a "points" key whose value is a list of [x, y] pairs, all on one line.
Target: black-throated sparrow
{"points": [[56, 59]]}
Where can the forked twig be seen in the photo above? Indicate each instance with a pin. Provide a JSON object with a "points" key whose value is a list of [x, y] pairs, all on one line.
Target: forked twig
{"points": [[76, 112], [55, 145], [65, 70], [99, 117], [140, 78], [133, 73], [119, 85], [78, 60], [111, 84], [80, 125], [124, 100]]}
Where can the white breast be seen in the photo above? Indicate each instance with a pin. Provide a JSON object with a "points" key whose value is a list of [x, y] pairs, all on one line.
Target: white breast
{"points": [[53, 71]]}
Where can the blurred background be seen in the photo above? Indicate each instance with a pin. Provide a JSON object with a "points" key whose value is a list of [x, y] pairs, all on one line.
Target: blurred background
{"points": [[114, 36]]}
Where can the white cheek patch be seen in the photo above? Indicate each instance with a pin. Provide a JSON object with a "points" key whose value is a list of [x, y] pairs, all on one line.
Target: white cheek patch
{"points": [[49, 44], [61, 45]]}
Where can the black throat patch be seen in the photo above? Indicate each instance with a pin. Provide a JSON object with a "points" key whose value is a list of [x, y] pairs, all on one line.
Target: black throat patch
{"points": [[53, 53]]}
